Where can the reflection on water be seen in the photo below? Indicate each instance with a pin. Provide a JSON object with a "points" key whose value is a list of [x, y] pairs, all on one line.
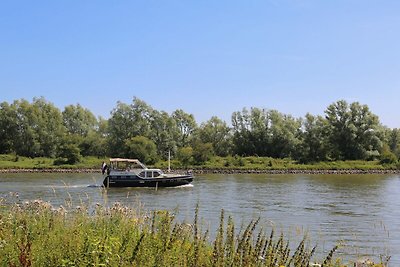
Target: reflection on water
{"points": [[361, 211]]}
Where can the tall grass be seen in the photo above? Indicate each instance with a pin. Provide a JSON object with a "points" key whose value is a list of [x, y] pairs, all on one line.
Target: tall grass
{"points": [[12, 161], [37, 234]]}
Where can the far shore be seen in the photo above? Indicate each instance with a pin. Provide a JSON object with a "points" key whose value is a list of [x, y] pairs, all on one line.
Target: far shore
{"points": [[220, 171]]}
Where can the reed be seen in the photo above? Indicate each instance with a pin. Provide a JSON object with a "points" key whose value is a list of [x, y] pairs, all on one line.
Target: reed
{"points": [[37, 234]]}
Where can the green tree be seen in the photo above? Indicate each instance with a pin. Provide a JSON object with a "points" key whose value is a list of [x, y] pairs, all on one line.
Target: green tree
{"points": [[387, 156], [8, 128], [216, 132], [78, 120], [128, 121], [25, 139], [46, 122], [142, 148], [354, 132], [68, 153], [94, 144], [164, 132], [284, 132], [39, 128], [185, 155], [314, 145], [91, 136], [393, 140], [242, 133], [265, 133], [186, 125], [202, 152]]}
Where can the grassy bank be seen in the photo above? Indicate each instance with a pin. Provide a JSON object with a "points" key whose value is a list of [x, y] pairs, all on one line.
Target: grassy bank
{"points": [[216, 163], [267, 163], [18, 162], [36, 234]]}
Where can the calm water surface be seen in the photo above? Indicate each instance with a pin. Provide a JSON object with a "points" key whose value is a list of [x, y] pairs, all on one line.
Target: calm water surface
{"points": [[360, 211]]}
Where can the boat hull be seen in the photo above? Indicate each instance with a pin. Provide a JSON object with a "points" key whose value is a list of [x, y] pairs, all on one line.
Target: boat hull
{"points": [[120, 181]]}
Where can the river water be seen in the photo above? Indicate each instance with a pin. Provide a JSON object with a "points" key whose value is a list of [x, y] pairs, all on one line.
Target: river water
{"points": [[360, 212]]}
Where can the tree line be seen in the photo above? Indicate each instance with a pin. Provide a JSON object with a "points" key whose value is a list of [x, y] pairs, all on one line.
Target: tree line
{"points": [[347, 131]]}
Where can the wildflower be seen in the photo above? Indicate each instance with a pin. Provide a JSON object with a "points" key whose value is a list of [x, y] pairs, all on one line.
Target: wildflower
{"points": [[61, 210]]}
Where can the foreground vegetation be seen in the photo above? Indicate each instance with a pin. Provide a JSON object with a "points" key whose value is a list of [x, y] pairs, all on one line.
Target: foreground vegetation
{"points": [[36, 234], [12, 161]]}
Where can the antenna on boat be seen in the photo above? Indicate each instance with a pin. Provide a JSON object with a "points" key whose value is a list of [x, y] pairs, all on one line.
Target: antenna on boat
{"points": [[169, 160]]}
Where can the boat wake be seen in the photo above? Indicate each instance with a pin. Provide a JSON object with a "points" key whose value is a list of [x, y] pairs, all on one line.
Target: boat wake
{"points": [[65, 186], [184, 186]]}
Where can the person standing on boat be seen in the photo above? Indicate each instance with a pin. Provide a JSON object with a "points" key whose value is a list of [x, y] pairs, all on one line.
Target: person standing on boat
{"points": [[103, 167]]}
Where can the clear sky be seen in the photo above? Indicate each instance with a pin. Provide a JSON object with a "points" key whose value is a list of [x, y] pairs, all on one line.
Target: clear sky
{"points": [[205, 57]]}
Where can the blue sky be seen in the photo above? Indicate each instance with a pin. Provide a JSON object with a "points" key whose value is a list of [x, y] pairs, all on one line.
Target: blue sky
{"points": [[205, 57]]}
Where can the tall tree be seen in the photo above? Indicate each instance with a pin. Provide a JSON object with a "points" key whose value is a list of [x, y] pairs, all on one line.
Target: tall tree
{"points": [[142, 148], [95, 142], [39, 128], [354, 132], [81, 123], [202, 151], [285, 132], [164, 132], [265, 133], [25, 139], [243, 139], [314, 145], [78, 120], [128, 121], [392, 139], [46, 121], [8, 127], [186, 125], [216, 132]]}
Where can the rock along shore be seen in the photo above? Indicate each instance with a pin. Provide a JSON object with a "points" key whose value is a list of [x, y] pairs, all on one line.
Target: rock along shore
{"points": [[296, 171], [218, 171]]}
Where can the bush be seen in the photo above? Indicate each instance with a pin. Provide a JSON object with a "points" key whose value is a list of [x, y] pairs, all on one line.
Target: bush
{"points": [[202, 152], [239, 161], [388, 157], [69, 154], [185, 155]]}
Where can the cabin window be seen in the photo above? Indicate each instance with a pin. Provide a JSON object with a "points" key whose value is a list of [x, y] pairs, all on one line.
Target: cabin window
{"points": [[149, 174]]}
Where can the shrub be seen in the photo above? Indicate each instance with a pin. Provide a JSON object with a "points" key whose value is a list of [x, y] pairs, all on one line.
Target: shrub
{"points": [[388, 157], [69, 154], [185, 155]]}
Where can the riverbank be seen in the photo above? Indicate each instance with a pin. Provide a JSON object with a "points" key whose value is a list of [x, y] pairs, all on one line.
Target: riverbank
{"points": [[218, 171], [291, 171], [222, 165]]}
